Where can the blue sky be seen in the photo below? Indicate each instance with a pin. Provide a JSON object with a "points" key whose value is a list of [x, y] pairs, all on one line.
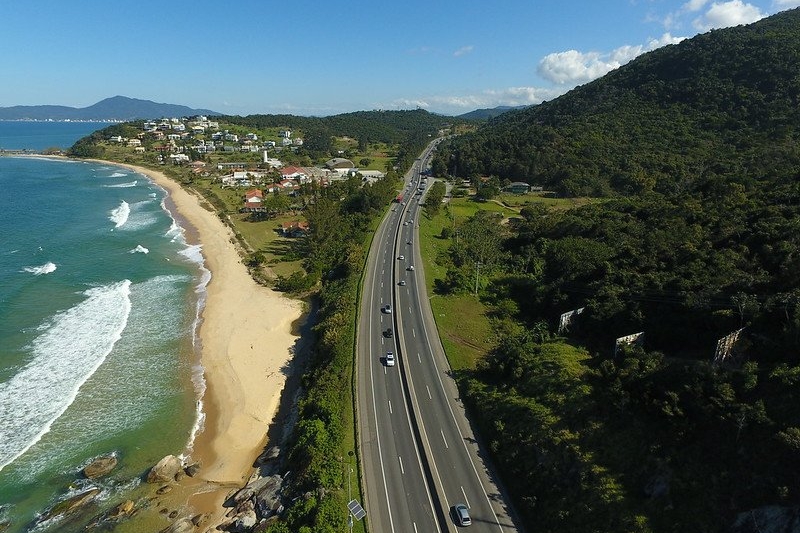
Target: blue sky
{"points": [[319, 57]]}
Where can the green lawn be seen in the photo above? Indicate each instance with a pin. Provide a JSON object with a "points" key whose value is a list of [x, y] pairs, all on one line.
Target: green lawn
{"points": [[461, 319]]}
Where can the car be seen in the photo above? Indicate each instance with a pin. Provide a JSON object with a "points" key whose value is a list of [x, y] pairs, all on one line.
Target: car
{"points": [[387, 308], [401, 257], [461, 515], [388, 332], [390, 362], [408, 242], [405, 223], [410, 268], [402, 282]]}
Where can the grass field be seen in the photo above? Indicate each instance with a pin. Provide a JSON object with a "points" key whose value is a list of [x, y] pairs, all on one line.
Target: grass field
{"points": [[465, 329]]}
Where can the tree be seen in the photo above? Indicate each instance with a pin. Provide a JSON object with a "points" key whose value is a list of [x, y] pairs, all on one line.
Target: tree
{"points": [[433, 201]]}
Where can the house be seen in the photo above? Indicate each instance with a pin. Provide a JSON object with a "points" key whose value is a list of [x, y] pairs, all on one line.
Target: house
{"points": [[253, 201], [115, 138], [296, 228], [178, 159], [285, 134], [221, 166], [134, 142], [294, 173], [517, 187], [198, 130], [288, 184]]}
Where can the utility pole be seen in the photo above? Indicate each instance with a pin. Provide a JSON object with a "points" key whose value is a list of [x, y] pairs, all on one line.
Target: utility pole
{"points": [[477, 273]]}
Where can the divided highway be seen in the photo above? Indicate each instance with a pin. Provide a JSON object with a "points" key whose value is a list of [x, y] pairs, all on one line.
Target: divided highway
{"points": [[417, 449]]}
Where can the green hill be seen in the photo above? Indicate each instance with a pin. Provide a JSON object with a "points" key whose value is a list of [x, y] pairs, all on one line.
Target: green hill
{"points": [[722, 103]]}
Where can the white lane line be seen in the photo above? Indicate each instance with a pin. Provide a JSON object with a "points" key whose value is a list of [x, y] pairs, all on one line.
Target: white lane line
{"points": [[414, 333], [402, 470], [466, 500], [445, 442], [429, 392], [415, 527], [390, 407], [381, 284], [419, 358]]}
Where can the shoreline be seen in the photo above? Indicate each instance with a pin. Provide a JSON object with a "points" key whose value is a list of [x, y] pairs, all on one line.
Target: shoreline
{"points": [[246, 345]]}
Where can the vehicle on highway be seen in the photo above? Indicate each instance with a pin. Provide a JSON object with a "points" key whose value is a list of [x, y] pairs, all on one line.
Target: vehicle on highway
{"points": [[388, 332], [461, 515], [401, 257], [408, 242], [405, 223], [402, 282], [387, 308], [410, 268], [390, 360]]}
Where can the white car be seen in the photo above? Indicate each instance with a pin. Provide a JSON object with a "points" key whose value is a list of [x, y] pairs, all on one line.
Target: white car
{"points": [[387, 309], [401, 257], [410, 268], [402, 282], [389, 359]]}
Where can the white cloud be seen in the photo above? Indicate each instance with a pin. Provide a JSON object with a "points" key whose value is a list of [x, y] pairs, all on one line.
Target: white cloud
{"points": [[463, 50], [573, 67], [511, 96], [785, 4], [726, 14], [694, 5]]}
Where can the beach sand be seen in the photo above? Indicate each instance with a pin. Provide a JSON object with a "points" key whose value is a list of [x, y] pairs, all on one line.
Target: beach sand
{"points": [[247, 343]]}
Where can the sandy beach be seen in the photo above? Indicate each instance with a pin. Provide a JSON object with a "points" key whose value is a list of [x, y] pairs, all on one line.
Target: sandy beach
{"points": [[246, 345]]}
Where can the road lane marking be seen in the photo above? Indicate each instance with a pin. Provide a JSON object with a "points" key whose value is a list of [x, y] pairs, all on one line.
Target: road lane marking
{"points": [[419, 358], [402, 470], [415, 527], [445, 442], [429, 392], [466, 500], [390, 407], [414, 333]]}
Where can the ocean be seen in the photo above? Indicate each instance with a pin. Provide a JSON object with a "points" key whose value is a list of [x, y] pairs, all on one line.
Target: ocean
{"points": [[99, 303]]}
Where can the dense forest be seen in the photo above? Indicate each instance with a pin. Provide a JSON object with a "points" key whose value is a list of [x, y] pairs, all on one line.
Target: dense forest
{"points": [[695, 149], [391, 127]]}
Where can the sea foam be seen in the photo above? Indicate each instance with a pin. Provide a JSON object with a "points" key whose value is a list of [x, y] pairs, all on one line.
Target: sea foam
{"points": [[139, 250], [119, 215], [121, 185], [41, 269], [71, 347]]}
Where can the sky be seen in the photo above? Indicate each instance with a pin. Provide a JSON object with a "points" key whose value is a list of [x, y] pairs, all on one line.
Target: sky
{"points": [[317, 57]]}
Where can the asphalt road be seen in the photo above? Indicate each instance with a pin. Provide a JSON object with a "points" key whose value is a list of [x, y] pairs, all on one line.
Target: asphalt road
{"points": [[417, 448]]}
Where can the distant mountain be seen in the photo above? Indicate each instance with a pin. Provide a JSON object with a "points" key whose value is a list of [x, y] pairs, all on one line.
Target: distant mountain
{"points": [[115, 108], [486, 114]]}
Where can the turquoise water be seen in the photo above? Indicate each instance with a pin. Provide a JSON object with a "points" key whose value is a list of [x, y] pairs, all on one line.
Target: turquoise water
{"points": [[98, 303]]}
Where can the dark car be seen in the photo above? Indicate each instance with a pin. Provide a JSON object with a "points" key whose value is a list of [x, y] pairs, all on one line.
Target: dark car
{"points": [[388, 333], [461, 515]]}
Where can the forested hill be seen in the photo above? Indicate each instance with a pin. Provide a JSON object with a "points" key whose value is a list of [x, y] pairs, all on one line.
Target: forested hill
{"points": [[724, 103], [374, 126]]}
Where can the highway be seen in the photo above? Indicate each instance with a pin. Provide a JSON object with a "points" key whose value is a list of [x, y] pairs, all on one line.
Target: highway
{"points": [[417, 449]]}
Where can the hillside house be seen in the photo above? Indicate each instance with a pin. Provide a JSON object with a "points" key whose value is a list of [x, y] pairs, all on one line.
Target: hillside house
{"points": [[296, 228]]}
